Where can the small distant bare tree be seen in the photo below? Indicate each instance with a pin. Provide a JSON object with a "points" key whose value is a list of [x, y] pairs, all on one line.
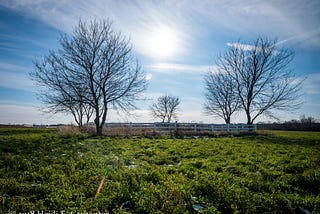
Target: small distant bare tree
{"points": [[221, 98], [304, 119], [165, 108], [93, 70], [264, 80]]}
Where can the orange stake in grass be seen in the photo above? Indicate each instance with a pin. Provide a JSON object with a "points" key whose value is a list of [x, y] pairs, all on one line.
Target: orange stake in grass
{"points": [[99, 188]]}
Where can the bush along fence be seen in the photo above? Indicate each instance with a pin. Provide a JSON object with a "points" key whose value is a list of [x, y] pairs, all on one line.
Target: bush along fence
{"points": [[180, 129]]}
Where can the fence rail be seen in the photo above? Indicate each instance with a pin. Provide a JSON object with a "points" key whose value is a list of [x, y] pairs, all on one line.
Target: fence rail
{"points": [[176, 128]]}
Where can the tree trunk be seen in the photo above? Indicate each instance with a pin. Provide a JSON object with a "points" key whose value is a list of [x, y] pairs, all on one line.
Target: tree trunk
{"points": [[249, 121], [103, 119], [99, 130], [97, 123]]}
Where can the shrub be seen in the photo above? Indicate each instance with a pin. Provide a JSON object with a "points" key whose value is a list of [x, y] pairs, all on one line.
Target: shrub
{"points": [[68, 131]]}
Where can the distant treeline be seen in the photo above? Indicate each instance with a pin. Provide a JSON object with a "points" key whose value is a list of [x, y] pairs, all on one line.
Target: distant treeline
{"points": [[304, 124], [12, 126]]}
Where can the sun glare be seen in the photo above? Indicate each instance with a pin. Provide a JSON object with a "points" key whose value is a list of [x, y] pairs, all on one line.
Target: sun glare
{"points": [[162, 42]]}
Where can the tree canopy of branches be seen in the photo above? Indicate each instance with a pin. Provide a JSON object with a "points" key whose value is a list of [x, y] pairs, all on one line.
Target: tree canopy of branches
{"points": [[92, 72], [263, 77], [221, 98], [165, 108]]}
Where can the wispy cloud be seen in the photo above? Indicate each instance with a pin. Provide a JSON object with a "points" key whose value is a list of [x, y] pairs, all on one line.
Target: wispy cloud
{"points": [[12, 67], [141, 21], [275, 18], [140, 115], [15, 76], [312, 38], [247, 47], [187, 18], [312, 84], [179, 68], [242, 46], [29, 114]]}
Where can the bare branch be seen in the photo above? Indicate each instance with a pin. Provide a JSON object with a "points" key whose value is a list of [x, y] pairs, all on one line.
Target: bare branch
{"points": [[166, 108], [220, 96], [263, 77], [91, 72]]}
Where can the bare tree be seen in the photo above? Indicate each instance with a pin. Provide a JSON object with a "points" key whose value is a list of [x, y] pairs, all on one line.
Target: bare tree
{"points": [[165, 108], [264, 80], [65, 103], [221, 98], [93, 68], [304, 119]]}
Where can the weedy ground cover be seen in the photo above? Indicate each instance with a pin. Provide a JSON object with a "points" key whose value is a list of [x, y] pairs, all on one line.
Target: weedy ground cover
{"points": [[273, 172]]}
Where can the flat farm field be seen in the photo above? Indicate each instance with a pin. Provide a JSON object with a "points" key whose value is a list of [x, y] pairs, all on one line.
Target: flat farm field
{"points": [[271, 172]]}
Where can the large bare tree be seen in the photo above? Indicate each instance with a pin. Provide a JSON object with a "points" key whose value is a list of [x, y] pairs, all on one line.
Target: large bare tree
{"points": [[221, 97], [264, 79], [165, 108], [94, 67]]}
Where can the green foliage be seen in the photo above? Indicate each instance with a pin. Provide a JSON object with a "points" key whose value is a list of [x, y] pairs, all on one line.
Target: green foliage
{"points": [[276, 172]]}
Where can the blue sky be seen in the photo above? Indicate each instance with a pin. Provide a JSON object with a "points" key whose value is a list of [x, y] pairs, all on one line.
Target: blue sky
{"points": [[175, 41]]}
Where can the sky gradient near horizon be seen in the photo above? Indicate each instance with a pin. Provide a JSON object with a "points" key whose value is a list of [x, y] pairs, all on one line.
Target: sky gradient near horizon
{"points": [[175, 41]]}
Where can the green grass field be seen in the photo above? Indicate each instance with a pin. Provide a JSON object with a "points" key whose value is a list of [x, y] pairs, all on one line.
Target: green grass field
{"points": [[273, 172]]}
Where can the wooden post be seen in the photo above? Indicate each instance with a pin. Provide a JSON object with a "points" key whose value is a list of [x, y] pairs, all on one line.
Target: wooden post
{"points": [[154, 128], [130, 128]]}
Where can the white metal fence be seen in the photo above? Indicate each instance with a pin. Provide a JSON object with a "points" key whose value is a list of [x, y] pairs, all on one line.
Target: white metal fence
{"points": [[176, 128]]}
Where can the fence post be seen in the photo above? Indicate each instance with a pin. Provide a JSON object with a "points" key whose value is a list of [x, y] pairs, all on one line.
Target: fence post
{"points": [[212, 129]]}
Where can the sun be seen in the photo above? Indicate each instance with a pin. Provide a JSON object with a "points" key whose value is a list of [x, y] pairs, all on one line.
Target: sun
{"points": [[162, 42]]}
